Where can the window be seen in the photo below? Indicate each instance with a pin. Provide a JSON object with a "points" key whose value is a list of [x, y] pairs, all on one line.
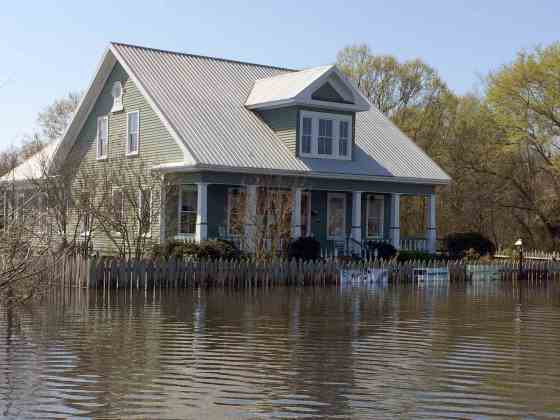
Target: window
{"points": [[325, 140], [188, 198], [84, 214], [325, 135], [336, 215], [375, 210], [117, 206], [274, 211], [117, 93], [102, 137], [145, 211], [306, 128], [236, 211], [133, 130], [343, 138]]}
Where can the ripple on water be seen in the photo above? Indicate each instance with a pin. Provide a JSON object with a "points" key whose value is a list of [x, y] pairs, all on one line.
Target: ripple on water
{"points": [[481, 350]]}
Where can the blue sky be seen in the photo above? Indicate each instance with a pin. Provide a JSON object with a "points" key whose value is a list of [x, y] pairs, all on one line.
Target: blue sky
{"points": [[51, 48]]}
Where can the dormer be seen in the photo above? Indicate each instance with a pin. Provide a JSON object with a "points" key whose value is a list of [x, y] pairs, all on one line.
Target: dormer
{"points": [[323, 87], [312, 111]]}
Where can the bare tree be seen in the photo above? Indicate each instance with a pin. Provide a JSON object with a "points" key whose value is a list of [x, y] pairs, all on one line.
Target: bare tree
{"points": [[121, 202], [266, 229], [54, 119]]}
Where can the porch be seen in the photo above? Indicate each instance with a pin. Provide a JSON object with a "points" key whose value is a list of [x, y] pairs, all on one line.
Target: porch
{"points": [[253, 215]]}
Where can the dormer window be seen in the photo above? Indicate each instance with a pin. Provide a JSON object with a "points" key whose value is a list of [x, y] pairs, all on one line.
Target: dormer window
{"points": [[325, 135]]}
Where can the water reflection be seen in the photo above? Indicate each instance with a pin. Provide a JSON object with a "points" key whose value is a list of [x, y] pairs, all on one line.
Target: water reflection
{"points": [[477, 349]]}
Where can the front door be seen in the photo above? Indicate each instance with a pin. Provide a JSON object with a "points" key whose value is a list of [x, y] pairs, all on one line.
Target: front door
{"points": [[336, 216]]}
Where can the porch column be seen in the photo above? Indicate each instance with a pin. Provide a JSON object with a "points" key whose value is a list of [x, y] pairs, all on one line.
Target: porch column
{"points": [[431, 223], [296, 213], [201, 233], [395, 226], [357, 216], [162, 211], [251, 217]]}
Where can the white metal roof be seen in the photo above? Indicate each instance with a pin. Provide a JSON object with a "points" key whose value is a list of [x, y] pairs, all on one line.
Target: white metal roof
{"points": [[296, 88], [34, 167], [283, 86], [201, 101]]}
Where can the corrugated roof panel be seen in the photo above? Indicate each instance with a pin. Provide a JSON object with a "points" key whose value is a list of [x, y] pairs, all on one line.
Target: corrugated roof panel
{"points": [[34, 167], [203, 98]]}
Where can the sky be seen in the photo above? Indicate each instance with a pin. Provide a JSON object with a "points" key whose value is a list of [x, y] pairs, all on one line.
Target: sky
{"points": [[50, 48]]}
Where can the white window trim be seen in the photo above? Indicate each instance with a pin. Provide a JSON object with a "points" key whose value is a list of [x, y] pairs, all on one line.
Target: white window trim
{"points": [[382, 199], [343, 196], [102, 157], [336, 119], [149, 233], [228, 232], [84, 233], [179, 235], [117, 100], [128, 152]]}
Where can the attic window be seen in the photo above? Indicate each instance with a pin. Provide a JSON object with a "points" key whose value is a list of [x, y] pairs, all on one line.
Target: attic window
{"points": [[117, 93], [325, 135]]}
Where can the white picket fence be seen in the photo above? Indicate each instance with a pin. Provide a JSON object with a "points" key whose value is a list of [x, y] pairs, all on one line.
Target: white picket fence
{"points": [[531, 254]]}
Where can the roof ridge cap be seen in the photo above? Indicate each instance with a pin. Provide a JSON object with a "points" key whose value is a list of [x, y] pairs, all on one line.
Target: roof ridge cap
{"points": [[123, 44]]}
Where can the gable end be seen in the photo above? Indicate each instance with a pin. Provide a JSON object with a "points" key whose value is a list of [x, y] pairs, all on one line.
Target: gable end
{"points": [[328, 93]]}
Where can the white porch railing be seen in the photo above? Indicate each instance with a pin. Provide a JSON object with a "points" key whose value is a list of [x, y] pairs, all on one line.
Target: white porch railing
{"points": [[335, 247], [414, 244]]}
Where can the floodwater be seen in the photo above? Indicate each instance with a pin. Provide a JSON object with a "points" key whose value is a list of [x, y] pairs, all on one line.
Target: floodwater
{"points": [[478, 350]]}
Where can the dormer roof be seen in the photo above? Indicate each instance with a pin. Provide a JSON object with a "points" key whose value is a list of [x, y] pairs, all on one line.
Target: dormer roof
{"points": [[304, 88]]}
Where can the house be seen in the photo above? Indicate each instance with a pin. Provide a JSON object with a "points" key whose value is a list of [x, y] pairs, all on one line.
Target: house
{"points": [[223, 133]]}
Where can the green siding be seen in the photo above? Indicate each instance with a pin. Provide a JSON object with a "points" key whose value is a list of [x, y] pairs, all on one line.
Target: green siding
{"points": [[319, 215], [156, 144], [283, 122]]}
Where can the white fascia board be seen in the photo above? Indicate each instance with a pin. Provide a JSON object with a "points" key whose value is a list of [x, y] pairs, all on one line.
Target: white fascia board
{"points": [[362, 98], [184, 167], [188, 155], [337, 106], [84, 107], [361, 103]]}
